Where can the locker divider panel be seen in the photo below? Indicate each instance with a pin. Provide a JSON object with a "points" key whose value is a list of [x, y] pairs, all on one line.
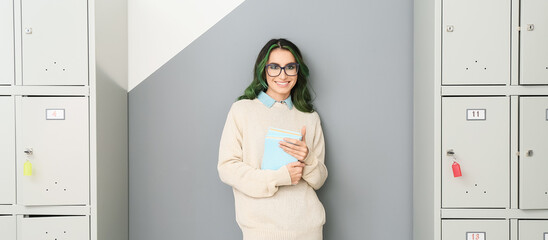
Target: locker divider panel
{"points": [[480, 146], [56, 132]]}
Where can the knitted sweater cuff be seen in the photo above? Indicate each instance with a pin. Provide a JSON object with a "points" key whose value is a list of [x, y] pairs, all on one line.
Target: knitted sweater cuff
{"points": [[281, 177]]}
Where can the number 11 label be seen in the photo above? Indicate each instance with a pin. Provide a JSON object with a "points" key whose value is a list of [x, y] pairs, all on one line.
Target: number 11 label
{"points": [[475, 236], [475, 114]]}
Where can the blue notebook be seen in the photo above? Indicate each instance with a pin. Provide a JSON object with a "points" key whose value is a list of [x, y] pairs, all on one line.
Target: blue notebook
{"points": [[274, 157]]}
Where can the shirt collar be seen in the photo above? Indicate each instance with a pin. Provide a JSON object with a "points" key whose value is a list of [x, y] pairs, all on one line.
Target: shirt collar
{"points": [[269, 101]]}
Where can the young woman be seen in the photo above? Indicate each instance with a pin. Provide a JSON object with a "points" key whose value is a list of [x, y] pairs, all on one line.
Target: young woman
{"points": [[282, 203]]}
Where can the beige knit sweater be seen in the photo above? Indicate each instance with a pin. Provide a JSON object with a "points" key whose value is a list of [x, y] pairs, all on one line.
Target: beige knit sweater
{"points": [[267, 205]]}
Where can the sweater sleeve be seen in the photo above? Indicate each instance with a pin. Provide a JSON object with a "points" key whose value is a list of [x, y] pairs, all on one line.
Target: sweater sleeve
{"points": [[240, 175], [315, 171]]}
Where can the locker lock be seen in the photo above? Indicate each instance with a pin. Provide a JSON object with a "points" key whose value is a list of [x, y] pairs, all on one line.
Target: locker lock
{"points": [[450, 28], [450, 152], [529, 153], [28, 151], [28, 30], [530, 27]]}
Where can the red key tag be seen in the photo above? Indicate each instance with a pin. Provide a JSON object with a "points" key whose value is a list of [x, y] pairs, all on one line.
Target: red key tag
{"points": [[456, 170]]}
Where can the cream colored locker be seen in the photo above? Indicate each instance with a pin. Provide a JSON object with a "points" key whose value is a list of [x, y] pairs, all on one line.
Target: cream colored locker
{"points": [[54, 42], [53, 136], [475, 134], [53, 227], [475, 230], [7, 227], [7, 150], [476, 42], [7, 51], [533, 161], [533, 230], [533, 47]]}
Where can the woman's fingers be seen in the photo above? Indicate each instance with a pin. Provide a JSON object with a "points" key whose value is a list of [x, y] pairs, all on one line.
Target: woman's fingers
{"points": [[295, 148], [299, 155]]}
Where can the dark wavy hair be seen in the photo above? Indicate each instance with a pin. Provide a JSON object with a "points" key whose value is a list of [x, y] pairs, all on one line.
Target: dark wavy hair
{"points": [[300, 94]]}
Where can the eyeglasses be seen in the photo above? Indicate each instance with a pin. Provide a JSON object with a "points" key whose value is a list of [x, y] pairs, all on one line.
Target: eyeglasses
{"points": [[274, 70]]}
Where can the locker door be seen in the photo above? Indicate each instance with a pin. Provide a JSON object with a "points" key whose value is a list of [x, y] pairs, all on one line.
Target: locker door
{"points": [[534, 36], [533, 161], [60, 228], [7, 227], [7, 150], [54, 42], [533, 230], [53, 136], [476, 42], [476, 131], [475, 230], [6, 43]]}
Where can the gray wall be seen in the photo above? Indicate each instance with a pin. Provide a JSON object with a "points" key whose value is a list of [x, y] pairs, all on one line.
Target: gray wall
{"points": [[361, 58]]}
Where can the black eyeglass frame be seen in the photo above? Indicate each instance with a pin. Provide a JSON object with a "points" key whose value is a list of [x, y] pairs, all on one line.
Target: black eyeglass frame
{"points": [[282, 68]]}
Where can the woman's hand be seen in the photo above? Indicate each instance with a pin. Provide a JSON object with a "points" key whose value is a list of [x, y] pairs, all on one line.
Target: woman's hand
{"points": [[296, 148], [295, 171]]}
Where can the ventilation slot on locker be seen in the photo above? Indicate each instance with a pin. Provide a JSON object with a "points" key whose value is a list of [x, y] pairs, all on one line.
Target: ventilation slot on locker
{"points": [[54, 227]]}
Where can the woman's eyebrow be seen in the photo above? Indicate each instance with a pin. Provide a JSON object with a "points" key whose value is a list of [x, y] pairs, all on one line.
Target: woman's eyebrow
{"points": [[280, 64]]}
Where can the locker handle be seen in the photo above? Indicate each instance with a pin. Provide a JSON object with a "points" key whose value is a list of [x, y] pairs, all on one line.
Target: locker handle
{"points": [[450, 152], [28, 151]]}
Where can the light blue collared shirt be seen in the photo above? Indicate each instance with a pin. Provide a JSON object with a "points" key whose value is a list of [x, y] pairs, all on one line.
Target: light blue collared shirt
{"points": [[269, 101]]}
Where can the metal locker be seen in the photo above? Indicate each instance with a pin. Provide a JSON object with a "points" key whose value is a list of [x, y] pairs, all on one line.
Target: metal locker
{"points": [[6, 43], [53, 139], [7, 150], [475, 136], [533, 48], [533, 230], [58, 227], [475, 230], [476, 45], [54, 42], [7, 227], [533, 147]]}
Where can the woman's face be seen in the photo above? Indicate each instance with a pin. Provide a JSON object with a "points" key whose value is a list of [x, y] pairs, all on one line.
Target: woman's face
{"points": [[279, 87]]}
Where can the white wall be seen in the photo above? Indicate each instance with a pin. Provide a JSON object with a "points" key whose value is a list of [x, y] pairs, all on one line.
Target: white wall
{"points": [[159, 29]]}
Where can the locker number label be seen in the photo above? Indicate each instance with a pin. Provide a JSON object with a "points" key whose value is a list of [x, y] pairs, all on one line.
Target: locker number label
{"points": [[475, 236], [546, 236], [546, 114], [55, 114], [475, 114]]}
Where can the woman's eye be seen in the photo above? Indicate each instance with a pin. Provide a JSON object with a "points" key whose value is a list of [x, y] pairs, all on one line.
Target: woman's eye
{"points": [[274, 67], [290, 67]]}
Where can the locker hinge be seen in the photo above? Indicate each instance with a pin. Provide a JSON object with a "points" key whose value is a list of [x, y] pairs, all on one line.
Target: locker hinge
{"points": [[517, 154], [519, 29]]}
